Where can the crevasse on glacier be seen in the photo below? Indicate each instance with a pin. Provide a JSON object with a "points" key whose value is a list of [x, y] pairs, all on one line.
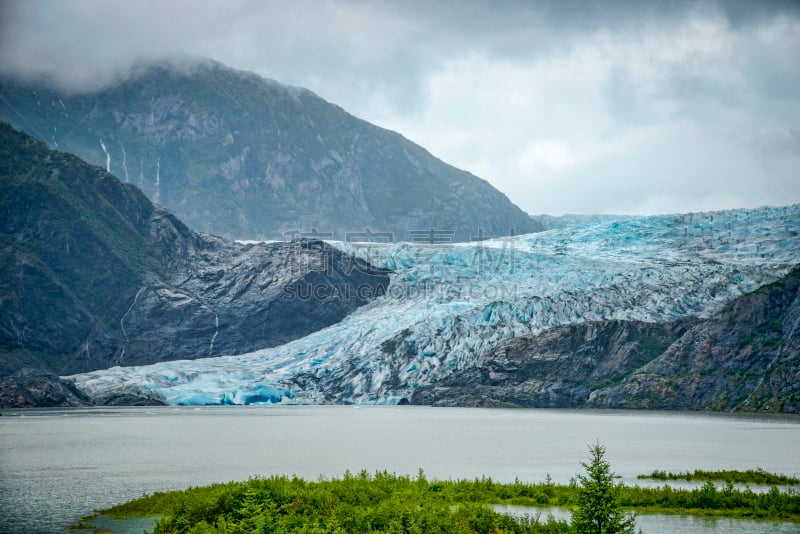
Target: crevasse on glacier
{"points": [[448, 304]]}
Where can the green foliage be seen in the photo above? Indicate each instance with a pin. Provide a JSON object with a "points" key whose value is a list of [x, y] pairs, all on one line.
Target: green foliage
{"points": [[709, 500], [384, 502], [655, 346], [381, 502], [599, 510], [751, 476]]}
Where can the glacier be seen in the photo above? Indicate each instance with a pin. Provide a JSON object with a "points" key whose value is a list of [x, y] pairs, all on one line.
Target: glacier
{"points": [[448, 304]]}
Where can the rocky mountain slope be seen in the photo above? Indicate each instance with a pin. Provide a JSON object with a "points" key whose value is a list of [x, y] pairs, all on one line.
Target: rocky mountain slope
{"points": [[745, 357], [36, 388], [559, 368], [92, 274], [544, 319], [236, 155]]}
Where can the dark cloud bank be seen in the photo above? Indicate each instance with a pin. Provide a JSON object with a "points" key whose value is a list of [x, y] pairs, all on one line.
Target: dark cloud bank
{"points": [[597, 106]]}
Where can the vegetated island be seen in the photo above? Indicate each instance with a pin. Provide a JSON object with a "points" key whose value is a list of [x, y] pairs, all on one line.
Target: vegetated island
{"points": [[387, 502], [751, 476]]}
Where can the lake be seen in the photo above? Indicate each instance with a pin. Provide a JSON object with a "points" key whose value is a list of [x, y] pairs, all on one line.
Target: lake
{"points": [[58, 465]]}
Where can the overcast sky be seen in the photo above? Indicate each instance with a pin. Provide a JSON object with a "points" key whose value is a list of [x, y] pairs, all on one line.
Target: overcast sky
{"points": [[567, 107]]}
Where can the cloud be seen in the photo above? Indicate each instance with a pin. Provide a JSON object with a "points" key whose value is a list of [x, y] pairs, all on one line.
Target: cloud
{"points": [[663, 117], [600, 106]]}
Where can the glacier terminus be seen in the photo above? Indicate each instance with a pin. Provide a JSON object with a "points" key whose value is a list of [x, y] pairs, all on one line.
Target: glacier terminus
{"points": [[449, 303]]}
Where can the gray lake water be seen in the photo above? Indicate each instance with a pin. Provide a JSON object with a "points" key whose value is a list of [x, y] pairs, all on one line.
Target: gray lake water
{"points": [[58, 465]]}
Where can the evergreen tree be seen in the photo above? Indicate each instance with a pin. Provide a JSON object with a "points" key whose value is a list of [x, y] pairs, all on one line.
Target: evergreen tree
{"points": [[598, 510]]}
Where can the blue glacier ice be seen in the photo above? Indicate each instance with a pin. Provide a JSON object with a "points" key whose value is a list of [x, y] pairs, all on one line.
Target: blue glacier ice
{"points": [[447, 304]]}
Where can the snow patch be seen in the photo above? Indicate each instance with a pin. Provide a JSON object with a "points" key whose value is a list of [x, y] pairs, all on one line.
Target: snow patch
{"points": [[125, 165], [108, 156], [157, 196]]}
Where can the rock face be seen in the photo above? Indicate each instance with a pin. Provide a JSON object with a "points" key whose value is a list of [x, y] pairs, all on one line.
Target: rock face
{"points": [[745, 357], [92, 275], [559, 368], [239, 298], [236, 155], [35, 388]]}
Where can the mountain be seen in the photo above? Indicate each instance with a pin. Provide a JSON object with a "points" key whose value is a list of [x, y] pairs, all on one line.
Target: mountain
{"points": [[558, 368], [745, 357], [36, 388], [92, 274], [543, 319], [243, 157]]}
